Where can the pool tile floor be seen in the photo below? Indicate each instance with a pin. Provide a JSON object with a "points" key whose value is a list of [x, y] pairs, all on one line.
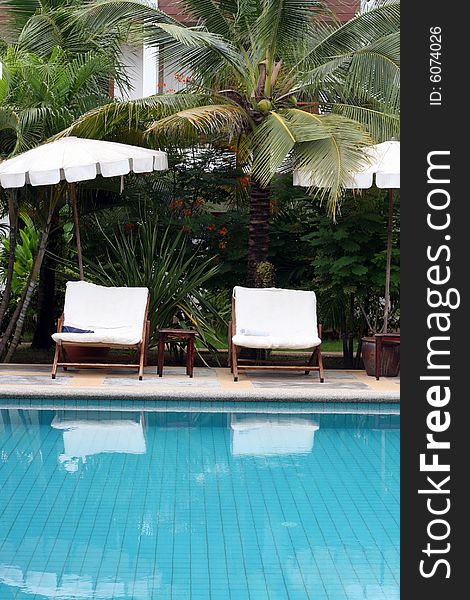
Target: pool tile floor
{"points": [[30, 380], [216, 506]]}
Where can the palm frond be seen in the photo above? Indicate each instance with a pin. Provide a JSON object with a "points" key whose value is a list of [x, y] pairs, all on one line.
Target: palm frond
{"points": [[272, 142], [331, 160], [211, 14], [330, 41], [88, 68], [16, 14], [133, 114], [8, 118], [380, 124], [374, 71], [283, 21], [40, 35], [224, 120]]}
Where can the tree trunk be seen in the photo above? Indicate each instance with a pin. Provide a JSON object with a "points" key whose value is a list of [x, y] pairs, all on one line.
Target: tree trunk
{"points": [[45, 325], [13, 319], [13, 237], [29, 290], [258, 231]]}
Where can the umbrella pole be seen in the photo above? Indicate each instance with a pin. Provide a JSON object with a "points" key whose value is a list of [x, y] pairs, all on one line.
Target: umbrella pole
{"points": [[73, 194], [389, 260]]}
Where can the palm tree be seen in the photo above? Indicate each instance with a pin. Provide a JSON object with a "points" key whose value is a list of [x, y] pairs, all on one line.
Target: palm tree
{"points": [[41, 26], [279, 80], [38, 98]]}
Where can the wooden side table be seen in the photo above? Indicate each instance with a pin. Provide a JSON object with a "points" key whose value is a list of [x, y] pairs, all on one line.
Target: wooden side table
{"points": [[165, 335], [379, 338]]}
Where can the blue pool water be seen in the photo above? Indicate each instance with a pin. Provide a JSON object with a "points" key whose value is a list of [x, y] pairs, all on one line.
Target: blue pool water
{"points": [[101, 505]]}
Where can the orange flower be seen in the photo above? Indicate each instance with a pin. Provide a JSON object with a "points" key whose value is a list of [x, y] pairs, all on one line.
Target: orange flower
{"points": [[245, 181], [222, 245], [211, 227], [223, 231], [176, 204]]}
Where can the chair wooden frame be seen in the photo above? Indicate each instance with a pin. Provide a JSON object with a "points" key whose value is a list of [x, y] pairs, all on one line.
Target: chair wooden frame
{"points": [[60, 356], [315, 362]]}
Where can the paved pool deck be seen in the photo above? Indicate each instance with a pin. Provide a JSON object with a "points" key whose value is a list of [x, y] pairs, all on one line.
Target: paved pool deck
{"points": [[34, 381]]}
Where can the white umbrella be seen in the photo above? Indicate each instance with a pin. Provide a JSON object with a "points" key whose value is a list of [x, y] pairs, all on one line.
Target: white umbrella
{"points": [[383, 161], [75, 159]]}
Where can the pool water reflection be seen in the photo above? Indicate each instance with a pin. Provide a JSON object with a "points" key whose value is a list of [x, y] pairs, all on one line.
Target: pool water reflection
{"points": [[198, 506]]}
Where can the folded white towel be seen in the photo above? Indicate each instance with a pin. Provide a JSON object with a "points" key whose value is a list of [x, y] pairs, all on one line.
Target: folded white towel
{"points": [[259, 332]]}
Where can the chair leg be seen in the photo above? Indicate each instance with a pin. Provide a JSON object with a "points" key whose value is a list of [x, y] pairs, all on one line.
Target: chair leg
{"points": [[235, 362], [229, 344], [160, 354], [147, 342], [320, 366], [190, 357], [312, 360], [141, 360], [56, 360]]}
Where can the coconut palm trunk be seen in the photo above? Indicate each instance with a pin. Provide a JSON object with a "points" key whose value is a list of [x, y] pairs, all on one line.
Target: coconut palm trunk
{"points": [[258, 229], [13, 236]]}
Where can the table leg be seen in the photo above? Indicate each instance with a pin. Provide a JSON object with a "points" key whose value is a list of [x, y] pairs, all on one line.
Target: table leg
{"points": [[160, 356], [190, 357], [188, 347], [378, 357]]}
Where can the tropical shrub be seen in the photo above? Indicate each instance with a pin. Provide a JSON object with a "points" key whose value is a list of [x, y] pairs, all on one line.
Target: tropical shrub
{"points": [[147, 256], [24, 254]]}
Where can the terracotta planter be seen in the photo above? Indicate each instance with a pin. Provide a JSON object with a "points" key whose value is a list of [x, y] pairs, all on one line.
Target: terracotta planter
{"points": [[82, 354], [390, 357]]}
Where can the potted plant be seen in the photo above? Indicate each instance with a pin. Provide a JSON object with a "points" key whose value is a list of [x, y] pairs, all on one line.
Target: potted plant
{"points": [[390, 366]]}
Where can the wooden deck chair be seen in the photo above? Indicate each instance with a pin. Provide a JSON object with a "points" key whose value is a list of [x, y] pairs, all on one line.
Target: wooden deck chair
{"points": [[271, 319], [96, 316]]}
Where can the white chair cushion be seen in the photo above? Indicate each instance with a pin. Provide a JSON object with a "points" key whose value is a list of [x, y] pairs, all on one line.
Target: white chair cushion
{"points": [[288, 318], [114, 314], [122, 336], [299, 341]]}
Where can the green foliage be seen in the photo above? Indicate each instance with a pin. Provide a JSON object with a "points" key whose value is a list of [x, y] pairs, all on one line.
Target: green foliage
{"points": [[348, 260], [41, 96], [24, 254], [41, 27]]}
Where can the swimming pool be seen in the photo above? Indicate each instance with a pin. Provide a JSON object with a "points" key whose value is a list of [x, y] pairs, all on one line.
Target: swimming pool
{"points": [[190, 505]]}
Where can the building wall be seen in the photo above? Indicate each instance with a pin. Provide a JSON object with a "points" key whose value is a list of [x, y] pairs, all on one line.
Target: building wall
{"points": [[344, 9]]}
